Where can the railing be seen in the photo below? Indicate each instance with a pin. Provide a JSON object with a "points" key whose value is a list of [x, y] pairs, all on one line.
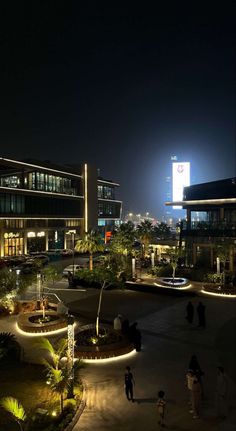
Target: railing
{"points": [[204, 229]]}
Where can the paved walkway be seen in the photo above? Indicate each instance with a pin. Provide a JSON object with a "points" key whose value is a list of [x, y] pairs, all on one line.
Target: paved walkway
{"points": [[168, 343]]}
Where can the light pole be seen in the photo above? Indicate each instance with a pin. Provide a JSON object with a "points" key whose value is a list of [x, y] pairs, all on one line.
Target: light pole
{"points": [[39, 285], [70, 354], [73, 245], [153, 259], [133, 268]]}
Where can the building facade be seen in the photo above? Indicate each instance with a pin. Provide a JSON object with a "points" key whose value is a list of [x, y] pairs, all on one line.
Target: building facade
{"points": [[45, 206], [210, 222]]}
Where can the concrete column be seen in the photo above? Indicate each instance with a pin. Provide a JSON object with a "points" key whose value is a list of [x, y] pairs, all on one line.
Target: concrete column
{"points": [[46, 240], [25, 242], [222, 214]]}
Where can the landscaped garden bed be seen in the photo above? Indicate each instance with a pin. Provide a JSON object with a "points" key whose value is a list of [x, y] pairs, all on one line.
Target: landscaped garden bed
{"points": [[109, 343], [216, 289], [36, 323], [27, 383]]}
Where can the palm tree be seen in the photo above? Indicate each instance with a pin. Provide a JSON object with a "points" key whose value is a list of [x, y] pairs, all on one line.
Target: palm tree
{"points": [[91, 244], [162, 231], [59, 382], [15, 408], [145, 233], [56, 353], [9, 346], [123, 239]]}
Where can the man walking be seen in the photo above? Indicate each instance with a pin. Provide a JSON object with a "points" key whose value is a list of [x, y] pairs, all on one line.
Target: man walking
{"points": [[129, 382], [201, 315]]}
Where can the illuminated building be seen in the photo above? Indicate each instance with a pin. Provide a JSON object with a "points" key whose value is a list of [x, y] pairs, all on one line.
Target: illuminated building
{"points": [[41, 204], [211, 221]]}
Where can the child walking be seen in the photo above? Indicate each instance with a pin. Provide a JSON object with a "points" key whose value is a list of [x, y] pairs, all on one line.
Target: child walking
{"points": [[161, 405]]}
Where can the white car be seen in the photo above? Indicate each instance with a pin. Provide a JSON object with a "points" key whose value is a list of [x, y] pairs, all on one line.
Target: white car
{"points": [[71, 268]]}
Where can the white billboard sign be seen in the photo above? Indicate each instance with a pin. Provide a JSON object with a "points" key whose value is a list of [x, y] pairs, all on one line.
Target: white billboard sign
{"points": [[180, 179]]}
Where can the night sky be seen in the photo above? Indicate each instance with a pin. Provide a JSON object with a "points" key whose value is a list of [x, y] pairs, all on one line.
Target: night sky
{"points": [[121, 87]]}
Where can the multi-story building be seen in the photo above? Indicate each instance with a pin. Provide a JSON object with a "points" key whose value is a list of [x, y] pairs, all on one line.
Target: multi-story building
{"points": [[44, 206], [210, 221]]}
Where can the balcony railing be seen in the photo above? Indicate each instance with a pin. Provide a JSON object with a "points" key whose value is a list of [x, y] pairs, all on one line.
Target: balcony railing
{"points": [[209, 228]]}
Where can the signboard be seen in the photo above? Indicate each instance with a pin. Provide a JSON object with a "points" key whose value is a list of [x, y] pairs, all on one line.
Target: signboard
{"points": [[180, 179]]}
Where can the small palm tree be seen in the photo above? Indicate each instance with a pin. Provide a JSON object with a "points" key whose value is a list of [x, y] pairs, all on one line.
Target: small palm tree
{"points": [[15, 408], [145, 233], [56, 353], [91, 244], [9, 346], [59, 382]]}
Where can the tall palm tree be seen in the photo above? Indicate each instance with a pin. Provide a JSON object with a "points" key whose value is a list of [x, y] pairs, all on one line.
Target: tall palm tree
{"points": [[145, 234], [15, 408], [91, 243]]}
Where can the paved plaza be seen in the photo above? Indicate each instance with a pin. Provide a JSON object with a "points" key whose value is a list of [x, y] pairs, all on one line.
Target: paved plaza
{"points": [[167, 345]]}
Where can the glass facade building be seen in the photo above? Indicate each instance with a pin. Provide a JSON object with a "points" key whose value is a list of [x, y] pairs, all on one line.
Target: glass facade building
{"points": [[41, 203]]}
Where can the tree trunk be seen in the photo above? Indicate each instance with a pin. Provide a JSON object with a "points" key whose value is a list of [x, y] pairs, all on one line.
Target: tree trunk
{"points": [[99, 308], [61, 402], [21, 428], [91, 262]]}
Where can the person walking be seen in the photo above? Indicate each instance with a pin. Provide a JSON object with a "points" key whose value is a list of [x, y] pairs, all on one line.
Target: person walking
{"points": [[118, 322], [221, 392], [201, 315], [190, 312], [196, 397], [129, 383], [189, 383], [195, 366], [161, 408]]}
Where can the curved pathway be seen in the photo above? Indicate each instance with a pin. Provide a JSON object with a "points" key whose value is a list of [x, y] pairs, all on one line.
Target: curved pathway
{"points": [[168, 344]]}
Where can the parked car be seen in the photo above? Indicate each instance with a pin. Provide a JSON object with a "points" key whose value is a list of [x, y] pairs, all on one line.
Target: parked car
{"points": [[71, 268], [42, 257], [66, 252]]}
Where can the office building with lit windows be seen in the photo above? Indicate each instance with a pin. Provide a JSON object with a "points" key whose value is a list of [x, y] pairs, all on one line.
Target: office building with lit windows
{"points": [[42, 205], [210, 222]]}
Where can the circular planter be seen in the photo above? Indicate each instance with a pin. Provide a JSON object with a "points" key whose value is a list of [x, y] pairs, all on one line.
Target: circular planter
{"points": [[177, 282], [30, 322], [215, 289], [111, 350]]}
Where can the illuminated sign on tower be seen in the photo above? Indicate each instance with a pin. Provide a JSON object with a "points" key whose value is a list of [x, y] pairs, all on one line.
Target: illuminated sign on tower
{"points": [[180, 179]]}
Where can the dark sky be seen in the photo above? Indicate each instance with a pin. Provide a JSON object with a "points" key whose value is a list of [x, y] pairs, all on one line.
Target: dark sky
{"points": [[121, 87]]}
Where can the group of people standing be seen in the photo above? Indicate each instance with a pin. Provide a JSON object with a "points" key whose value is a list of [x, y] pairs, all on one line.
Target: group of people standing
{"points": [[200, 312], [131, 331], [195, 388]]}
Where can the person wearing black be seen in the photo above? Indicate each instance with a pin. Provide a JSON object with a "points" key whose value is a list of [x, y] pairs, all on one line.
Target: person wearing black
{"points": [[190, 312], [125, 327], [137, 340], [129, 382], [201, 315]]}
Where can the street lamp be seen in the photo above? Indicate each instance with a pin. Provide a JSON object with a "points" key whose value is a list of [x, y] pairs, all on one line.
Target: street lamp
{"points": [[72, 233], [133, 268], [70, 354]]}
